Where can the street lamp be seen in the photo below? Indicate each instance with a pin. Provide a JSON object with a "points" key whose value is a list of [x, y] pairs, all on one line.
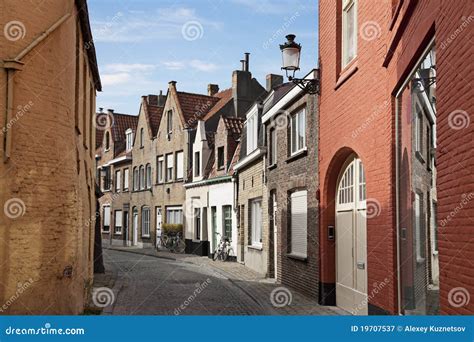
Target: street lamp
{"points": [[291, 53]]}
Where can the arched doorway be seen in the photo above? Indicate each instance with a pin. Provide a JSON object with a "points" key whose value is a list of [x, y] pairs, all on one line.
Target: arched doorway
{"points": [[351, 238]]}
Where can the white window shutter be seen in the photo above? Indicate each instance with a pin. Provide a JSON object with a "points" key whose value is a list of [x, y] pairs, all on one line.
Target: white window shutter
{"points": [[107, 216], [299, 218], [179, 165]]}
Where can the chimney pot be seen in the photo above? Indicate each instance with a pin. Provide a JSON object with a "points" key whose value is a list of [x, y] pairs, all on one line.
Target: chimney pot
{"points": [[101, 109], [110, 111], [247, 59], [212, 89], [172, 84]]}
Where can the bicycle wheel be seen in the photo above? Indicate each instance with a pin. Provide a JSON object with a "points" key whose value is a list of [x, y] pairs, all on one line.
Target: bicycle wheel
{"points": [[225, 254], [180, 246], [216, 255]]}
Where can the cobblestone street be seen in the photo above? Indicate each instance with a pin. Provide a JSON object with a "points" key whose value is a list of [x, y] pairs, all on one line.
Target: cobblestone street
{"points": [[145, 282]]}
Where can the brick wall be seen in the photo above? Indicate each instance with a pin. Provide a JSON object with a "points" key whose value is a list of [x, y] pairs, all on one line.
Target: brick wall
{"points": [[47, 247]]}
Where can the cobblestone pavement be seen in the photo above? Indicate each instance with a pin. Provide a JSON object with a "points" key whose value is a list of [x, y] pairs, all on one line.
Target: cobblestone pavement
{"points": [[150, 282]]}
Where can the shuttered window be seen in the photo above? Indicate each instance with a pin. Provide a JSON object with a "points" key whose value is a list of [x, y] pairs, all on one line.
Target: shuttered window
{"points": [[255, 222], [125, 179], [106, 227], [299, 218], [146, 222], [169, 167], [179, 165], [118, 222]]}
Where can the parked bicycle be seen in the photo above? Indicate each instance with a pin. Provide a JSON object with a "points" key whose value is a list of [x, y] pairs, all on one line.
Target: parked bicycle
{"points": [[224, 248], [173, 243]]}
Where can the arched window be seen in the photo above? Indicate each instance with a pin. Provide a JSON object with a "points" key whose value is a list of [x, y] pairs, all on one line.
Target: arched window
{"points": [[142, 177], [135, 179], [148, 176], [107, 140]]}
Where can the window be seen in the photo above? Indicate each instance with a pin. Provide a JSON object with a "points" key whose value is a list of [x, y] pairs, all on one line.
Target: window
{"points": [[118, 221], [174, 215], [362, 188], [299, 217], [197, 223], [117, 180], [349, 31], [169, 122], [298, 131], [179, 165], [107, 141], [159, 170], [169, 167], [107, 178], [106, 212], [220, 157], [252, 133], [145, 222], [273, 147], [135, 179], [126, 175], [227, 221], [197, 164], [141, 136], [419, 227], [129, 136], [418, 128], [255, 222], [148, 176], [142, 177]]}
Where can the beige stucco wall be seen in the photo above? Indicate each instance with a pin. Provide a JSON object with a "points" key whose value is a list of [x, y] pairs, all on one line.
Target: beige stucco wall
{"points": [[47, 239]]}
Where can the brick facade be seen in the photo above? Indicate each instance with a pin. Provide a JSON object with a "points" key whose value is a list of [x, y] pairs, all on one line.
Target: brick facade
{"points": [[48, 169]]}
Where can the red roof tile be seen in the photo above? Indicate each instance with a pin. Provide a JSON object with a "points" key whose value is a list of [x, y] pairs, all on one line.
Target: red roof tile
{"points": [[153, 113], [195, 106], [224, 97], [234, 124]]}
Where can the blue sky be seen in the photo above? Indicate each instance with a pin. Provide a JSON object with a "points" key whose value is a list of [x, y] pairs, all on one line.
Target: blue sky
{"points": [[143, 44]]}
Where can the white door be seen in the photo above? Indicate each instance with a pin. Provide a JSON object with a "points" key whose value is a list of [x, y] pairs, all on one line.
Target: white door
{"points": [[275, 233], [135, 228], [158, 226], [351, 239]]}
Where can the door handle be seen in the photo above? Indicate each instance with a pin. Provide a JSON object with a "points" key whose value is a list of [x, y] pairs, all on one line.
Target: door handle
{"points": [[361, 265]]}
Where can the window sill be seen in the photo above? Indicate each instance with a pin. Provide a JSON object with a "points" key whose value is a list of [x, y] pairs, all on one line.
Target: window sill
{"points": [[255, 247], [117, 234], [297, 155], [297, 256], [105, 232], [126, 190], [347, 73], [273, 166], [145, 236]]}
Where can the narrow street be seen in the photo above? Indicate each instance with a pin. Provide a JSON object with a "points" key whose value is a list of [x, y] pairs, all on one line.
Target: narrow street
{"points": [[150, 285]]}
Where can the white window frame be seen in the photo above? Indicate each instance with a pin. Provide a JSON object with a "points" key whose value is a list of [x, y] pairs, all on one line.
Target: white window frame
{"points": [[419, 225], [146, 222], [169, 167], [179, 165], [129, 136], [118, 223], [299, 224], [174, 211], [159, 169], [299, 115], [106, 218], [142, 177], [252, 132], [118, 180], [346, 5], [126, 177], [255, 222], [136, 178], [197, 223]]}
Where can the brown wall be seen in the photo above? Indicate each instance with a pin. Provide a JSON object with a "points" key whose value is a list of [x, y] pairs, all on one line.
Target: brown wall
{"points": [[50, 173]]}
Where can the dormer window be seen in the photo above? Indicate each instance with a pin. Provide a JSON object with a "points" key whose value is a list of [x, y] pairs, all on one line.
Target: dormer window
{"points": [[107, 141], [129, 136], [252, 132]]}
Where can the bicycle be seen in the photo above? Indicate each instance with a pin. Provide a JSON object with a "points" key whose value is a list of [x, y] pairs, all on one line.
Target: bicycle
{"points": [[175, 244], [224, 248]]}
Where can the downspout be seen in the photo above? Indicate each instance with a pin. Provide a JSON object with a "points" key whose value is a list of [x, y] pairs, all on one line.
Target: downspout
{"points": [[12, 65]]}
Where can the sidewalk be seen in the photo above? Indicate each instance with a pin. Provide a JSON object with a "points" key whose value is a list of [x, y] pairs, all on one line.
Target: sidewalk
{"points": [[274, 298]]}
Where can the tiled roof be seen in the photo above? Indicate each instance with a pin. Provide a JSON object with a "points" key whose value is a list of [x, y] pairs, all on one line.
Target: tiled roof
{"points": [[122, 122], [195, 106], [235, 159], [224, 97], [99, 136], [153, 113], [234, 124]]}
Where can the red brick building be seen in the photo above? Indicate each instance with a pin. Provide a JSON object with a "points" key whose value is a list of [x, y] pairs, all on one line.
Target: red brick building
{"points": [[396, 156]]}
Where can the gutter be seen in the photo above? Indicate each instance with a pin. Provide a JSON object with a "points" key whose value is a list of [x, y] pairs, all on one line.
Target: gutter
{"points": [[220, 179], [260, 151], [11, 66]]}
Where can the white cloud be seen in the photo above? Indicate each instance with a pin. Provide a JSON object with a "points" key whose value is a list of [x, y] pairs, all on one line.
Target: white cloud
{"points": [[134, 67], [202, 66], [115, 79], [174, 65], [275, 7]]}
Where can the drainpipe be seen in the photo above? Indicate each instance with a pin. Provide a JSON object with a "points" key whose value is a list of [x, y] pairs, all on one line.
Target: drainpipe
{"points": [[12, 65]]}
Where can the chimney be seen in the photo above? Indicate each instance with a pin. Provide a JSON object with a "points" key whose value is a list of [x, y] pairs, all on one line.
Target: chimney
{"points": [[101, 109], [212, 89], [172, 84], [273, 81], [110, 111], [247, 54], [161, 99]]}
